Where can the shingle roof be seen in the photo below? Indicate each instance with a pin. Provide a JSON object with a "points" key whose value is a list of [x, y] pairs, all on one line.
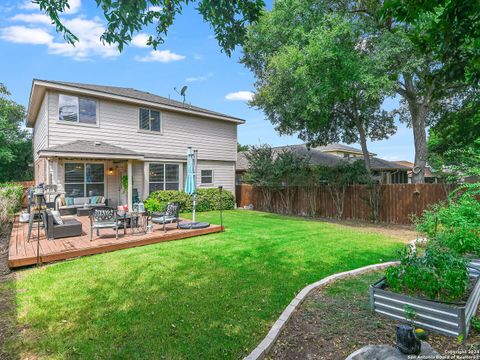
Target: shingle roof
{"points": [[339, 147], [140, 95], [410, 165], [90, 147], [318, 157]]}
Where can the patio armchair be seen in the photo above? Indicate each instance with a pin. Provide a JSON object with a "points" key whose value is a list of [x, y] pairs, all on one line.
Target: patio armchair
{"points": [[104, 217], [169, 215], [67, 228]]}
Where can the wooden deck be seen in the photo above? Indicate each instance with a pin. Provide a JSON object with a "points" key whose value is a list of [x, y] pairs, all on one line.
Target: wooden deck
{"points": [[23, 253]]}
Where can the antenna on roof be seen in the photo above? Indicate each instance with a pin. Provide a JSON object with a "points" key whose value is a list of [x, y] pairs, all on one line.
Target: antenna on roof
{"points": [[183, 92]]}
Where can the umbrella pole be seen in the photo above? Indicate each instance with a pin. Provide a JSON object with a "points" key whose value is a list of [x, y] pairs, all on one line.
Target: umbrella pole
{"points": [[194, 208]]}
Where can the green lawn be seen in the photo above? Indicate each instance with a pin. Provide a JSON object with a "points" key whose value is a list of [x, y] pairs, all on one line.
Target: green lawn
{"points": [[213, 296]]}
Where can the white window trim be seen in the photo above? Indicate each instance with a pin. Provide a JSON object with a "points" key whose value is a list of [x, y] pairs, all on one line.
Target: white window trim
{"points": [[164, 182], [213, 177], [149, 123], [84, 174], [78, 123]]}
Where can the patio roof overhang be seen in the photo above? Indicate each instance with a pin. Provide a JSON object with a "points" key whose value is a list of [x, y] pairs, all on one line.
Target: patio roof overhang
{"points": [[66, 154]]}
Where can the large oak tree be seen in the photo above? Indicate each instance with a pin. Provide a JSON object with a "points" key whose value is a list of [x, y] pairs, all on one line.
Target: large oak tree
{"points": [[315, 76]]}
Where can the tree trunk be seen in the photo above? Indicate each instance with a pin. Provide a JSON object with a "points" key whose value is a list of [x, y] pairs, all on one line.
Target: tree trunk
{"points": [[363, 143], [420, 140], [418, 113]]}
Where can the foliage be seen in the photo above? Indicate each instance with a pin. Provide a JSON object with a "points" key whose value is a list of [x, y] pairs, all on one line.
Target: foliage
{"points": [[449, 28], [456, 223], [125, 18], [438, 274], [340, 176], [16, 155], [454, 142], [241, 148], [207, 200], [280, 172], [185, 299], [10, 202], [319, 60]]}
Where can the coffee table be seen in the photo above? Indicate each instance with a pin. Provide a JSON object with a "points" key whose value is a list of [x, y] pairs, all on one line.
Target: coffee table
{"points": [[83, 211]]}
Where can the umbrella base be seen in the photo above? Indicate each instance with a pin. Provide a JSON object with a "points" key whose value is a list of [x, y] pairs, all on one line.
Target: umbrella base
{"points": [[193, 225]]}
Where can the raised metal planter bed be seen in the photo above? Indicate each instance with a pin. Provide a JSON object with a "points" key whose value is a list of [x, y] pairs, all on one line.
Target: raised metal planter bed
{"points": [[445, 318]]}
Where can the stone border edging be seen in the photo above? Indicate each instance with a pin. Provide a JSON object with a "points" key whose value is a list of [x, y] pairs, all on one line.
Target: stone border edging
{"points": [[267, 343]]}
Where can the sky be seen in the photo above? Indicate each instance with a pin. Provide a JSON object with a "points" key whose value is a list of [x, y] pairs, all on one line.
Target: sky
{"points": [[31, 49]]}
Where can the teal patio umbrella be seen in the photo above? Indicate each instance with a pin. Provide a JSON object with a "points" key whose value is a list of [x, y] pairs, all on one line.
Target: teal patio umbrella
{"points": [[191, 189]]}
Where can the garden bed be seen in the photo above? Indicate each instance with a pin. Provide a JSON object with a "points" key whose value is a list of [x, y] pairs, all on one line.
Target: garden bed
{"points": [[336, 320], [452, 319]]}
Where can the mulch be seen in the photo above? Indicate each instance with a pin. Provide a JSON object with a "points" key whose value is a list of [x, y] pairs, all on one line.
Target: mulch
{"points": [[8, 326], [334, 321], [4, 241]]}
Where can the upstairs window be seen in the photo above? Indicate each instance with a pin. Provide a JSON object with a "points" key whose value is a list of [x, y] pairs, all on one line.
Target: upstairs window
{"points": [[149, 120], [77, 109]]}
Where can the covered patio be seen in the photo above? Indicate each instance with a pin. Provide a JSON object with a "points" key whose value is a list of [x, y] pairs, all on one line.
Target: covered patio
{"points": [[24, 253]]}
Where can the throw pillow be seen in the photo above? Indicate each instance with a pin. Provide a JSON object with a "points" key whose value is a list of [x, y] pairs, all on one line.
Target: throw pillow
{"points": [[69, 201], [93, 199], [57, 219]]}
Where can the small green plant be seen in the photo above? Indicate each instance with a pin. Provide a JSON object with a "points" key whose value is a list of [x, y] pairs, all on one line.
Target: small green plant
{"points": [[438, 273], [475, 321], [410, 314]]}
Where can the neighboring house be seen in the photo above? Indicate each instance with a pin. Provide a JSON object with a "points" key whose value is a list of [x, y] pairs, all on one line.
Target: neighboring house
{"points": [[334, 154], [87, 137], [430, 177]]}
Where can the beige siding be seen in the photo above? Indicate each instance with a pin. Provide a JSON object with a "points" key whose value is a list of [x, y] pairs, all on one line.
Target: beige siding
{"points": [[223, 174], [118, 125], [40, 130]]}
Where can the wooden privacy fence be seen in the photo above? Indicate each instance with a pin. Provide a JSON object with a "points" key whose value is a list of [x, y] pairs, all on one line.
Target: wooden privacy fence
{"points": [[397, 204]]}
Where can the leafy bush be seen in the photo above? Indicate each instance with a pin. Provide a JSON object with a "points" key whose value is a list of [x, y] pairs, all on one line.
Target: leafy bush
{"points": [[207, 200], [439, 273], [10, 202], [456, 223]]}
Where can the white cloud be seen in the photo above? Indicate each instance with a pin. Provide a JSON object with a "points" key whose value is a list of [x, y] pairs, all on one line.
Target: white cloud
{"points": [[240, 96], [155, 8], [25, 35], [32, 19], [74, 6], [88, 32], [197, 56], [140, 40], [28, 5], [164, 56], [89, 44], [199, 78]]}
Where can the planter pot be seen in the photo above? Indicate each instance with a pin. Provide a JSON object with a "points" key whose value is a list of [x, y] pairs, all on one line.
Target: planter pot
{"points": [[452, 319]]}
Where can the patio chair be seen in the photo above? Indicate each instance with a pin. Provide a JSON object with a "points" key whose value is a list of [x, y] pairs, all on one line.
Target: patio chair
{"points": [[104, 217], [169, 215], [67, 227]]}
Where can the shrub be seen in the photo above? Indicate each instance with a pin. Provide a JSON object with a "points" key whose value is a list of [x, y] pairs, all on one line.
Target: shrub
{"points": [[439, 273], [456, 223], [10, 202], [207, 200]]}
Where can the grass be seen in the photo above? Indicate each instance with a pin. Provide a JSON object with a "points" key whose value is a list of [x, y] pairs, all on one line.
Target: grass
{"points": [[213, 296]]}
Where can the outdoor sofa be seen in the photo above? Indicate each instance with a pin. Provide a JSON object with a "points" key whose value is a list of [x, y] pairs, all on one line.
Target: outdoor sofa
{"points": [[69, 205]]}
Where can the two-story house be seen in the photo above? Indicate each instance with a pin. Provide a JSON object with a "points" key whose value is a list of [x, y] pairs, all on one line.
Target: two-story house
{"points": [[88, 138]]}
